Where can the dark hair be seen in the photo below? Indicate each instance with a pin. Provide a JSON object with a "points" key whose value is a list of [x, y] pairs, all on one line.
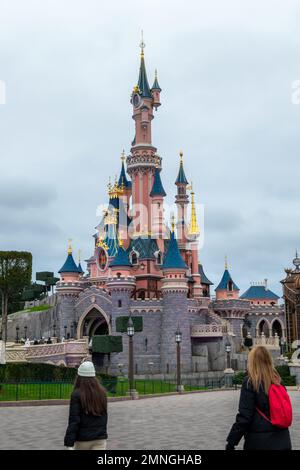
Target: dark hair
{"points": [[92, 395]]}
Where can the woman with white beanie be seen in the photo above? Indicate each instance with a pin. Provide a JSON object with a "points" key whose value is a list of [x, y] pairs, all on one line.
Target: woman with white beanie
{"points": [[87, 428]]}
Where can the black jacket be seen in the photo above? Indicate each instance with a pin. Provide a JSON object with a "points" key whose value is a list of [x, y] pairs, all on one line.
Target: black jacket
{"points": [[83, 427], [258, 432]]}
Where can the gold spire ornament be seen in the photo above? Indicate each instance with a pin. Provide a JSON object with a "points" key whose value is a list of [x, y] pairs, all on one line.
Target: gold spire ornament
{"points": [[193, 227], [226, 262], [181, 157], [70, 246], [173, 223], [142, 45], [123, 156], [79, 256]]}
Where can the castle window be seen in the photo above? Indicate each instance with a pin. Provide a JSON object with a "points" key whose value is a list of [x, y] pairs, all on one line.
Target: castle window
{"points": [[168, 368], [146, 344], [134, 258], [119, 303], [230, 285], [118, 275], [136, 369]]}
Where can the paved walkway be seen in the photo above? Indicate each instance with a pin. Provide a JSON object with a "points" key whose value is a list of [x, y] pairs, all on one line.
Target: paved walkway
{"points": [[195, 421]]}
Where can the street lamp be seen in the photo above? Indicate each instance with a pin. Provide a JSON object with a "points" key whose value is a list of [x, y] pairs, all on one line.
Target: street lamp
{"points": [[178, 339], [17, 334], [228, 351], [130, 334]]}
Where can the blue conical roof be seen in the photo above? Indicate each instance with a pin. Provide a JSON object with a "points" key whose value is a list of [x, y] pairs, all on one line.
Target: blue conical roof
{"points": [[123, 179], [80, 270], [69, 266], [157, 188], [204, 278], [155, 85], [181, 178], [226, 278], [121, 258], [173, 258], [143, 81]]}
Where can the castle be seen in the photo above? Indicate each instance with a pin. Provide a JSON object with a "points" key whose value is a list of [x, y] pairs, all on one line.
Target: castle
{"points": [[148, 269]]}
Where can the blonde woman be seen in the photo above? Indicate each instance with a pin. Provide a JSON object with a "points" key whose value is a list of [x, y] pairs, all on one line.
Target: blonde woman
{"points": [[263, 402]]}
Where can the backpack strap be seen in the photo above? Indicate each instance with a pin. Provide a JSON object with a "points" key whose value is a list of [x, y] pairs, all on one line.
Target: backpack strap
{"points": [[263, 415]]}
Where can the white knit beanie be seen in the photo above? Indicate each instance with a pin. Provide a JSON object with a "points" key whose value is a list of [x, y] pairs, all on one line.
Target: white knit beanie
{"points": [[86, 369]]}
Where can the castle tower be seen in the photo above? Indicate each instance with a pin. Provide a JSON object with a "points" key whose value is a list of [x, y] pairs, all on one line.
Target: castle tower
{"points": [[157, 194], [68, 290], [124, 202], [175, 310], [182, 200], [121, 284], [193, 236], [227, 289], [143, 161]]}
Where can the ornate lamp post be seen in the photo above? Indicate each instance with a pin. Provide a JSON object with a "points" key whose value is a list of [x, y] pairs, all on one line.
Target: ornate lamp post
{"points": [[228, 351], [130, 333], [178, 339], [17, 334]]}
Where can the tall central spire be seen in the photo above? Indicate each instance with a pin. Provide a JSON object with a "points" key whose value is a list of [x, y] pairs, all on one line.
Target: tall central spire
{"points": [[143, 84]]}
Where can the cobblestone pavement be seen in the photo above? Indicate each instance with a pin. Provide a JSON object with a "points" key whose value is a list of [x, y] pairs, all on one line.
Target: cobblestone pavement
{"points": [[194, 421]]}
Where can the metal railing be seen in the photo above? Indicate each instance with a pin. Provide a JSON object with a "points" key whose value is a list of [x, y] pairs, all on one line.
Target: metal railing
{"points": [[61, 390]]}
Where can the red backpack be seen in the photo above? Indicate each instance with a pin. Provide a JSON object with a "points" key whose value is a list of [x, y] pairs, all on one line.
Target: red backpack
{"points": [[281, 414]]}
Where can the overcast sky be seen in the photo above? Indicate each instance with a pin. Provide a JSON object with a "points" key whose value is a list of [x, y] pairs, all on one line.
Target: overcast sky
{"points": [[226, 69]]}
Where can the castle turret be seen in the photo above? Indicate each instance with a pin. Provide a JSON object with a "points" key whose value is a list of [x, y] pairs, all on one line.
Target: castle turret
{"points": [[182, 200], [68, 290], [193, 236], [227, 289], [69, 271], [155, 90], [157, 194], [175, 309], [121, 285]]}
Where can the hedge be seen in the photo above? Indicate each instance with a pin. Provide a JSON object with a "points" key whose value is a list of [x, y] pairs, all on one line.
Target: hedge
{"points": [[29, 371], [107, 344], [121, 324], [284, 372]]}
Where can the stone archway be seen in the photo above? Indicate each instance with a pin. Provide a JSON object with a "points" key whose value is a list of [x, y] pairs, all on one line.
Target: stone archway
{"points": [[263, 326], [93, 321], [277, 327]]}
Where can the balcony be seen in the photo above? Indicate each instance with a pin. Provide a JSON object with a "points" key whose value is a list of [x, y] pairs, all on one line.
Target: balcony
{"points": [[212, 330]]}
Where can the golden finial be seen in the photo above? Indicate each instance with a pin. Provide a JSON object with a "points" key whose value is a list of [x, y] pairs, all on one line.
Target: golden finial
{"points": [[120, 242], [181, 156], [142, 45], [194, 228], [79, 256], [172, 223], [226, 262], [70, 246], [123, 156]]}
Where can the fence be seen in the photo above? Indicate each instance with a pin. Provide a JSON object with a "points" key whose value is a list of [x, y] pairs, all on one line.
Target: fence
{"points": [[34, 390]]}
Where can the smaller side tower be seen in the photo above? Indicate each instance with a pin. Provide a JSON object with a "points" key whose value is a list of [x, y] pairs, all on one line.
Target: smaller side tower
{"points": [[158, 228], [227, 289], [121, 285], [68, 289], [175, 310]]}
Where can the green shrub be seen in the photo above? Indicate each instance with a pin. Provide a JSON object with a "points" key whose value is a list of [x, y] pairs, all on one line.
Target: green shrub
{"points": [[121, 324], [106, 344], [36, 372], [238, 378]]}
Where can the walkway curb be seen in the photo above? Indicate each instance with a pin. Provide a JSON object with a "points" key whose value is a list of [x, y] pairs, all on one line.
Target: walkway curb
{"points": [[8, 404]]}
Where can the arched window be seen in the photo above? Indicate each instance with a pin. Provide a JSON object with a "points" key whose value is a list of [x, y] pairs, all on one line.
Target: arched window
{"points": [[134, 258], [276, 328], [230, 285], [119, 303]]}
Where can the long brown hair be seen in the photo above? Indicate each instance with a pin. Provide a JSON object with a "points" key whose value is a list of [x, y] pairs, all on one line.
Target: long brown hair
{"points": [[261, 370], [92, 395]]}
